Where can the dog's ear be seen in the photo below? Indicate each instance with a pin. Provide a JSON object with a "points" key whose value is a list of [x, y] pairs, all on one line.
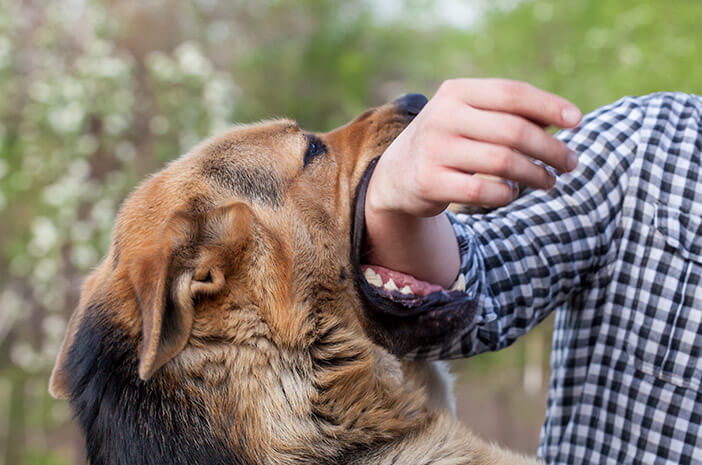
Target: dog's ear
{"points": [[166, 321], [190, 259], [223, 232], [166, 289], [166, 313]]}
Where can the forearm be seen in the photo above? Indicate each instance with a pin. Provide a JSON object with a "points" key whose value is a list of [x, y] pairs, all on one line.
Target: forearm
{"points": [[425, 248]]}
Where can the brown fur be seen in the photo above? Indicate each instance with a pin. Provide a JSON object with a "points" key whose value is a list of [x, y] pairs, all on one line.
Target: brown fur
{"points": [[229, 275]]}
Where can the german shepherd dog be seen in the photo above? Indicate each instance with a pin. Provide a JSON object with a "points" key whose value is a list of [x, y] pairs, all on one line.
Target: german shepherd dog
{"points": [[230, 322]]}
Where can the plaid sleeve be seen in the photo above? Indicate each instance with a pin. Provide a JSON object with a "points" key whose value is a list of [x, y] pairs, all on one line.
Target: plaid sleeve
{"points": [[533, 255]]}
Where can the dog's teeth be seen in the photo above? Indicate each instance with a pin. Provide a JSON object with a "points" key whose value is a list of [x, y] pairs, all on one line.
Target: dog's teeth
{"points": [[390, 286], [460, 283], [373, 278], [406, 290]]}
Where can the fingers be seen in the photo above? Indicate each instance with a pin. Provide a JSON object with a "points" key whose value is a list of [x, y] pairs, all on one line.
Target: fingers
{"points": [[514, 97], [514, 132], [471, 128], [459, 187], [480, 157]]}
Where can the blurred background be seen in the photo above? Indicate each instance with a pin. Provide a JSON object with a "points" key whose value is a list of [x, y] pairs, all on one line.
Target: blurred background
{"points": [[95, 94]]}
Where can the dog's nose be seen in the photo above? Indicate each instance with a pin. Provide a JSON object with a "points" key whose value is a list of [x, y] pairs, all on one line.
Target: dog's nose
{"points": [[411, 103]]}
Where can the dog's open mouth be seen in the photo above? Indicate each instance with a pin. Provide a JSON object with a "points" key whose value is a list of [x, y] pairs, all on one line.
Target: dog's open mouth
{"points": [[392, 281], [406, 313], [397, 284]]}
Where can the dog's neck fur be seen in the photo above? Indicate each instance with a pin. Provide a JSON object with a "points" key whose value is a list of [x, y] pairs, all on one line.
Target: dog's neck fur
{"points": [[128, 421], [190, 413]]}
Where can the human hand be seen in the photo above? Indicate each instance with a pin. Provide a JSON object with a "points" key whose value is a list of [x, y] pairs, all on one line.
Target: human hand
{"points": [[491, 127], [486, 126]]}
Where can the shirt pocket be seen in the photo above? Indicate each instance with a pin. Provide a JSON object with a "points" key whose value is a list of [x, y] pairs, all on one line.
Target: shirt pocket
{"points": [[665, 337]]}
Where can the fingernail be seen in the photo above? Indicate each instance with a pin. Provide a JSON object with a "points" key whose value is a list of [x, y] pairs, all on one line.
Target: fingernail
{"points": [[571, 116], [515, 189], [551, 181], [572, 161]]}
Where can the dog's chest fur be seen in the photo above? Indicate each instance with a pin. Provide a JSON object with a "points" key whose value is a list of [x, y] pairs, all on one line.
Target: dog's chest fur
{"points": [[275, 407]]}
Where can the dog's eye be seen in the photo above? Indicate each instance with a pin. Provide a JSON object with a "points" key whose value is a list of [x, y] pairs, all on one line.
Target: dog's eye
{"points": [[315, 147]]}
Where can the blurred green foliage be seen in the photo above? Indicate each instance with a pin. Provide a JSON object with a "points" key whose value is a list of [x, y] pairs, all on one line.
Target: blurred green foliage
{"points": [[595, 52], [95, 94]]}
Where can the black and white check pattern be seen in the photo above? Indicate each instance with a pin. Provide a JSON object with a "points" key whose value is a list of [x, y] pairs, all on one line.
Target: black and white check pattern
{"points": [[616, 250]]}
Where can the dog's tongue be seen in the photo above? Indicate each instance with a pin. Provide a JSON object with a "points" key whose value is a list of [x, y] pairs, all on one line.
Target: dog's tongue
{"points": [[390, 280]]}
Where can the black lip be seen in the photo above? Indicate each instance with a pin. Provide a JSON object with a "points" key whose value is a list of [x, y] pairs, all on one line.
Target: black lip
{"points": [[404, 324]]}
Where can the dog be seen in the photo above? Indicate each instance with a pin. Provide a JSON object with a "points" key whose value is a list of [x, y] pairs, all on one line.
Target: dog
{"points": [[230, 321]]}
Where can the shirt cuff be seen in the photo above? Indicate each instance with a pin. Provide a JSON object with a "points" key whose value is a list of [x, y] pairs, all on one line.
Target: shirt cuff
{"points": [[468, 278]]}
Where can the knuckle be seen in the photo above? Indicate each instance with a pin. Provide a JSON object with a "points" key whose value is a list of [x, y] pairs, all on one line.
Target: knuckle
{"points": [[516, 131], [423, 184], [440, 117], [511, 90], [447, 106], [448, 86], [474, 190], [503, 162], [438, 108]]}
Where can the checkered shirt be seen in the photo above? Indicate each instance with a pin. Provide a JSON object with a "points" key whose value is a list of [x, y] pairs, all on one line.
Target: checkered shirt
{"points": [[615, 248]]}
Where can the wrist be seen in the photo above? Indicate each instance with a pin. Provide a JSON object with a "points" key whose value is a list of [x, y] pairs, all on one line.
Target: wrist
{"points": [[407, 235], [424, 247]]}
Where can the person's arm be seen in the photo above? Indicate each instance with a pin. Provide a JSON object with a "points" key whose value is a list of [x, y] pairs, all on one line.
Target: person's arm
{"points": [[525, 259], [487, 126]]}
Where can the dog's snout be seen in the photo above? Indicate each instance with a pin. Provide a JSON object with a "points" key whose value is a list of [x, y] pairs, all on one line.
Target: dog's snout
{"points": [[411, 103]]}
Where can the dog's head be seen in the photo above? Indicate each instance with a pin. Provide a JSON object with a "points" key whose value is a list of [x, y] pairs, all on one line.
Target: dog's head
{"points": [[243, 238]]}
